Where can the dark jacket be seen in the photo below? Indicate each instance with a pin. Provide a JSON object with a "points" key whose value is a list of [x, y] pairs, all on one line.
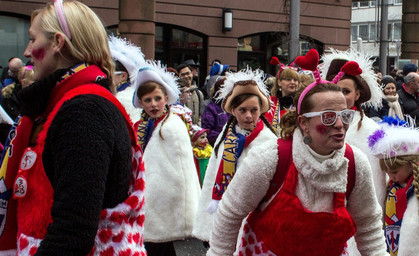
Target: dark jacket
{"points": [[214, 118], [87, 159], [409, 104]]}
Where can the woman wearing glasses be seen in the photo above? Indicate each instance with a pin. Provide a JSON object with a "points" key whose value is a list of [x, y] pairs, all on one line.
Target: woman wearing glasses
{"points": [[314, 199]]}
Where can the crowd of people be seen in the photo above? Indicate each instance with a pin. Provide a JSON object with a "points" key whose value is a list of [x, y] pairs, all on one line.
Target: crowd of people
{"points": [[105, 152]]}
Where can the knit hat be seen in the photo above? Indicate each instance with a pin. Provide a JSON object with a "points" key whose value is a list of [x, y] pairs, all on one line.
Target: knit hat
{"points": [[370, 93], [218, 69], [130, 55], [410, 67], [245, 81], [197, 131], [153, 71], [387, 80], [394, 138]]}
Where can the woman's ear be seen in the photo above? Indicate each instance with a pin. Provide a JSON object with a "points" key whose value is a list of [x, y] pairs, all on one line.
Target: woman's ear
{"points": [[58, 42], [303, 123]]}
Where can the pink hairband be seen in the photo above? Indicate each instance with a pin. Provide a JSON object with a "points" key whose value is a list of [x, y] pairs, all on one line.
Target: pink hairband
{"points": [[59, 10], [310, 61]]}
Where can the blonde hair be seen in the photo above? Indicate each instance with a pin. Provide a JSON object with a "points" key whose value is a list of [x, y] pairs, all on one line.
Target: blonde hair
{"points": [[26, 76], [285, 73], [399, 161], [89, 42]]}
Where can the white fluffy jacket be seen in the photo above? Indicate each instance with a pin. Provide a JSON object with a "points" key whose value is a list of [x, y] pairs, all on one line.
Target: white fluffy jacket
{"points": [[203, 223], [359, 138], [316, 184], [409, 231], [172, 186]]}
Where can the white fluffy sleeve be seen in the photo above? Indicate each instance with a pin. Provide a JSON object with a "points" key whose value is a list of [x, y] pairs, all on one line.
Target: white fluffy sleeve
{"points": [[243, 195]]}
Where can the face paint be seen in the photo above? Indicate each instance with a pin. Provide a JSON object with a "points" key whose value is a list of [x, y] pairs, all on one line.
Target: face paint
{"points": [[38, 53], [322, 129]]}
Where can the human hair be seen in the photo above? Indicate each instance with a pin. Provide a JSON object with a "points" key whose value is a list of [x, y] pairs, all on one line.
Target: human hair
{"points": [[289, 121], [148, 87], [88, 43], [182, 66], [399, 161], [26, 76], [285, 73], [182, 83], [237, 101], [409, 78], [216, 88], [305, 80]]}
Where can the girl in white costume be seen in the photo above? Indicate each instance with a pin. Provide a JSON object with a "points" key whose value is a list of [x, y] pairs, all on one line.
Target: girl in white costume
{"points": [[246, 98], [397, 146], [172, 192]]}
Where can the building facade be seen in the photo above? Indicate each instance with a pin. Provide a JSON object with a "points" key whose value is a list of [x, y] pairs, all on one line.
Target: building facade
{"points": [[176, 30]]}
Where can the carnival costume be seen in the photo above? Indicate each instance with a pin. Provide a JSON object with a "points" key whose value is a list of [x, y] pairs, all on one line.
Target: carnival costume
{"points": [[132, 58], [307, 210], [51, 193], [396, 138], [236, 145], [173, 188]]}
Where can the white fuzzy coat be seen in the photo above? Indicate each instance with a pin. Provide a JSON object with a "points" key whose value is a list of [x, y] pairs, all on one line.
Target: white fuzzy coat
{"points": [[359, 138], [172, 186], [203, 223], [125, 97], [409, 231], [316, 184]]}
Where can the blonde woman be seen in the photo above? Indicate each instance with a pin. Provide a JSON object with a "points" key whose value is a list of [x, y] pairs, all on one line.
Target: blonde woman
{"points": [[73, 158]]}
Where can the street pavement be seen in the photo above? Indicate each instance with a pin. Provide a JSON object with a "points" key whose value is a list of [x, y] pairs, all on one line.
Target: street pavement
{"points": [[190, 247]]}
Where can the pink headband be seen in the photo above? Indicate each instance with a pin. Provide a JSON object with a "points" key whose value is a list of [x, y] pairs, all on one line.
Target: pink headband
{"points": [[310, 61], [59, 10]]}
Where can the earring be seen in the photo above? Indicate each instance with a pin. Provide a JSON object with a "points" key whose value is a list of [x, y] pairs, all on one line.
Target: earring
{"points": [[307, 139]]}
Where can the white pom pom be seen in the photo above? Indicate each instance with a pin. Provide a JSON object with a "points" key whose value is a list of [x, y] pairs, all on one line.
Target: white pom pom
{"points": [[212, 207]]}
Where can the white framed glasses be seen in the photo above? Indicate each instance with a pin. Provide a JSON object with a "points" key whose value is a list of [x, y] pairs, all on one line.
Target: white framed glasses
{"points": [[329, 117], [118, 73]]}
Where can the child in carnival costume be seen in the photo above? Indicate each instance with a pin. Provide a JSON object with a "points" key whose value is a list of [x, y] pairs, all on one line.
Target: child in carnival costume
{"points": [[396, 143], [202, 151], [245, 97], [173, 188]]}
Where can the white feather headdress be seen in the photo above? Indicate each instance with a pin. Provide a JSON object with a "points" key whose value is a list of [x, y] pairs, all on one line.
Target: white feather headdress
{"points": [[394, 138], [230, 87], [154, 71], [365, 63], [244, 74], [128, 54]]}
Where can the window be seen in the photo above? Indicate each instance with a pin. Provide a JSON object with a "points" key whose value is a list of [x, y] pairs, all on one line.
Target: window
{"points": [[354, 4], [364, 32], [364, 4], [396, 2], [354, 32], [14, 38], [390, 31], [373, 32], [397, 31], [372, 3]]}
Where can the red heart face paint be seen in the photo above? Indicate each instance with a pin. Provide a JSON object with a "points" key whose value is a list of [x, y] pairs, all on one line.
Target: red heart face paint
{"points": [[38, 53], [322, 129]]}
